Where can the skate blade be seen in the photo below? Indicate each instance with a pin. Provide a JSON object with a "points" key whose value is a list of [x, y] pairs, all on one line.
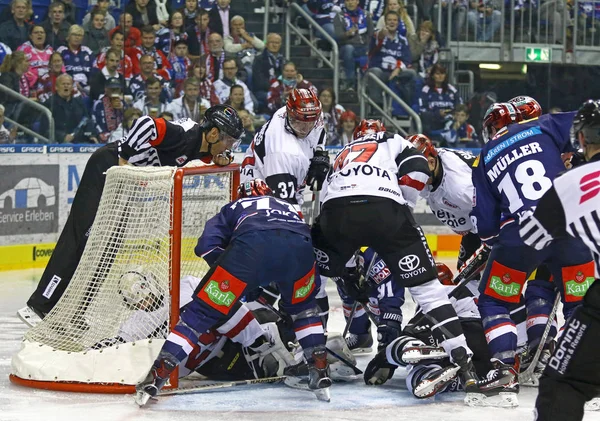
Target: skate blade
{"points": [[28, 317], [141, 398], [428, 388], [593, 405], [323, 394], [533, 381], [502, 400], [361, 351], [415, 355], [302, 384]]}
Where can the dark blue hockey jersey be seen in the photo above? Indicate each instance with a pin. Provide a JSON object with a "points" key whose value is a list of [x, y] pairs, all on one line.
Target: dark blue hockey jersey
{"points": [[244, 215], [514, 169]]}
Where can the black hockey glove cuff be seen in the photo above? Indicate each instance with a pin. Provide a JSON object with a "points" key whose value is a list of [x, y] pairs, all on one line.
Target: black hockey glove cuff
{"points": [[389, 328], [319, 167], [353, 286]]}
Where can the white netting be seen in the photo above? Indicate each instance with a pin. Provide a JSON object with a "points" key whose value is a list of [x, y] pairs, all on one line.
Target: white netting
{"points": [[119, 293]]}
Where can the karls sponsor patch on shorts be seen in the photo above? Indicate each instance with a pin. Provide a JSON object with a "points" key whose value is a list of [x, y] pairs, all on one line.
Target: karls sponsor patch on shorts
{"points": [[222, 290], [577, 280], [505, 284], [304, 287]]}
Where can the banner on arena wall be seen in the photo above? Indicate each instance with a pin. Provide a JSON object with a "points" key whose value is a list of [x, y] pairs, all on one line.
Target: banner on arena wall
{"points": [[39, 183]]}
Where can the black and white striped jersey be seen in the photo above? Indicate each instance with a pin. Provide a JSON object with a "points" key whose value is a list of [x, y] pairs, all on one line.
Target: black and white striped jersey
{"points": [[155, 142], [570, 207]]}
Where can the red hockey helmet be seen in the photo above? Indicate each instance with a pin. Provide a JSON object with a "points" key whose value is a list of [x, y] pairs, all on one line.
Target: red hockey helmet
{"points": [[303, 110], [254, 188], [498, 116], [527, 106], [366, 127], [423, 144]]}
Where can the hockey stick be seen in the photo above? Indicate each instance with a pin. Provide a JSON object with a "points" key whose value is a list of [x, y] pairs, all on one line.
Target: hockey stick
{"points": [[216, 386], [345, 361], [356, 303], [526, 375]]}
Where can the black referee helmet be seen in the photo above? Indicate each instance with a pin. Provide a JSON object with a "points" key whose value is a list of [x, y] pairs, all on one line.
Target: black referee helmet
{"points": [[587, 121], [224, 118]]}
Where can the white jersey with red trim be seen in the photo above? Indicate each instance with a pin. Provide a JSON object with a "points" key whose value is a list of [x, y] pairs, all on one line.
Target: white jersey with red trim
{"points": [[277, 156], [380, 164], [450, 196]]}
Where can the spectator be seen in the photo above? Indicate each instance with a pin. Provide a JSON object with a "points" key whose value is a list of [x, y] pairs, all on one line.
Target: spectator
{"points": [[151, 103], [8, 136], [70, 9], [4, 51], [46, 85], [458, 9], [215, 57], [245, 45], [220, 16], [331, 112], [108, 110], [77, 58], [180, 65], [109, 71], [348, 122], [56, 26], [588, 20], [267, 67], [207, 89], [161, 63], [71, 118], [125, 64], [390, 60], [485, 19], [129, 117], [198, 35], [167, 116], [133, 36], [96, 37], [137, 85], [168, 37], [38, 54], [236, 98], [280, 89], [353, 30], [15, 31], [424, 48], [322, 12], [249, 129], [438, 100], [143, 13], [190, 11], [100, 7], [188, 106], [406, 27], [12, 75], [223, 85], [458, 133]]}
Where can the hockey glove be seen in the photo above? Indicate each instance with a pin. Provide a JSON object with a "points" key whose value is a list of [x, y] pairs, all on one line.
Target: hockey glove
{"points": [[353, 285], [389, 328], [379, 370], [317, 172]]}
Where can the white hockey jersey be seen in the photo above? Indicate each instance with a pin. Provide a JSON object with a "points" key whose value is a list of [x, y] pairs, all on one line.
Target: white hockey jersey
{"points": [[381, 164], [280, 158], [451, 197]]}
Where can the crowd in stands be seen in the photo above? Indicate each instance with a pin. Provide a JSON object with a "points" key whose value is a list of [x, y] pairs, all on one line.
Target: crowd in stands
{"points": [[98, 74]]}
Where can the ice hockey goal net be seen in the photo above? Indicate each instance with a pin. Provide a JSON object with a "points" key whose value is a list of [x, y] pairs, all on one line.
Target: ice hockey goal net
{"points": [[109, 325]]}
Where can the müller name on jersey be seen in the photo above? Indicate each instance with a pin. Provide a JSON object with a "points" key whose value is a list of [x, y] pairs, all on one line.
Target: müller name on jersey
{"points": [[516, 154]]}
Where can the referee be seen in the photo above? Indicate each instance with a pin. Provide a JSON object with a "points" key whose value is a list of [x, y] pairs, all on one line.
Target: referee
{"points": [[150, 142]]}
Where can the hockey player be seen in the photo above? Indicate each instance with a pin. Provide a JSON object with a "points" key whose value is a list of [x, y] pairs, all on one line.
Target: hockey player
{"points": [[256, 227], [150, 142], [290, 148], [378, 177], [516, 166], [569, 208]]}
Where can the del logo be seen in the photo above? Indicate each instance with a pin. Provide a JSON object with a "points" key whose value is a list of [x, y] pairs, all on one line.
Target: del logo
{"points": [[222, 291]]}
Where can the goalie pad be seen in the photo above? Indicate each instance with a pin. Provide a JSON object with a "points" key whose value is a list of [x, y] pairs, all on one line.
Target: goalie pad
{"points": [[268, 356]]}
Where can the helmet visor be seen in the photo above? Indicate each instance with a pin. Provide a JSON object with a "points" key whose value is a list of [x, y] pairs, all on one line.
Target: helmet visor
{"points": [[301, 128], [230, 142]]}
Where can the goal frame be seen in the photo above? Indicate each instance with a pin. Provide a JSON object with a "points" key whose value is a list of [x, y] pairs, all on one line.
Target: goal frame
{"points": [[175, 234]]}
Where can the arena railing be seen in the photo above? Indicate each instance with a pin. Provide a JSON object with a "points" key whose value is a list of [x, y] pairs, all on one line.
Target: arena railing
{"points": [[365, 99], [334, 63], [24, 101]]}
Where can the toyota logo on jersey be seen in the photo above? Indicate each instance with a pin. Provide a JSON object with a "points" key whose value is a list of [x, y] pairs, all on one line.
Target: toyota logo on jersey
{"points": [[409, 263]]}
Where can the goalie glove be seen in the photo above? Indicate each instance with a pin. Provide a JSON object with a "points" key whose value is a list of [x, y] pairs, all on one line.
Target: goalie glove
{"points": [[317, 172]]}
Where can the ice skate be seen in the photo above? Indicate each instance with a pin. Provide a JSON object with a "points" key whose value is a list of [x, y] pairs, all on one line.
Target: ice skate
{"points": [[416, 354], [318, 375], [435, 380], [361, 343], [534, 380], [30, 317], [154, 381], [499, 389]]}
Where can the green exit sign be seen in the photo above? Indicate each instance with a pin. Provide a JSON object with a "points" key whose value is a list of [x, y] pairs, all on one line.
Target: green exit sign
{"points": [[538, 55]]}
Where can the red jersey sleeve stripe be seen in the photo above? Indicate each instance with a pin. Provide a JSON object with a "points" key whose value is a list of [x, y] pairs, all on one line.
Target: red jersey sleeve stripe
{"points": [[161, 130]]}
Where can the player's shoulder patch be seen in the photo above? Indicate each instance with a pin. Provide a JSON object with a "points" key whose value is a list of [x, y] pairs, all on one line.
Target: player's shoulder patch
{"points": [[185, 123]]}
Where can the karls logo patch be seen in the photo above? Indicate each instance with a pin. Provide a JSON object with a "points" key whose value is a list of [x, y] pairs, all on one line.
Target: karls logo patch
{"points": [[505, 283], [589, 186], [577, 280], [304, 287], [222, 290]]}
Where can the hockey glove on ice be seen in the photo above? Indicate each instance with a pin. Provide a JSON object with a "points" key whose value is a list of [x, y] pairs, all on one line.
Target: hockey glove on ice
{"points": [[379, 370], [319, 167]]}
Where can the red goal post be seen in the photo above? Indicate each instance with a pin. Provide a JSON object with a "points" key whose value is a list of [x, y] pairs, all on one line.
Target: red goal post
{"points": [[123, 300]]}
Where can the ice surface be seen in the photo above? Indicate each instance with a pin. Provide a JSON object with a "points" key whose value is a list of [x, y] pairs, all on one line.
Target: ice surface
{"points": [[351, 401]]}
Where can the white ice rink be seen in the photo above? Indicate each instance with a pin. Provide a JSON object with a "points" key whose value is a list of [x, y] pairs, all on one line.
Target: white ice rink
{"points": [[351, 401]]}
